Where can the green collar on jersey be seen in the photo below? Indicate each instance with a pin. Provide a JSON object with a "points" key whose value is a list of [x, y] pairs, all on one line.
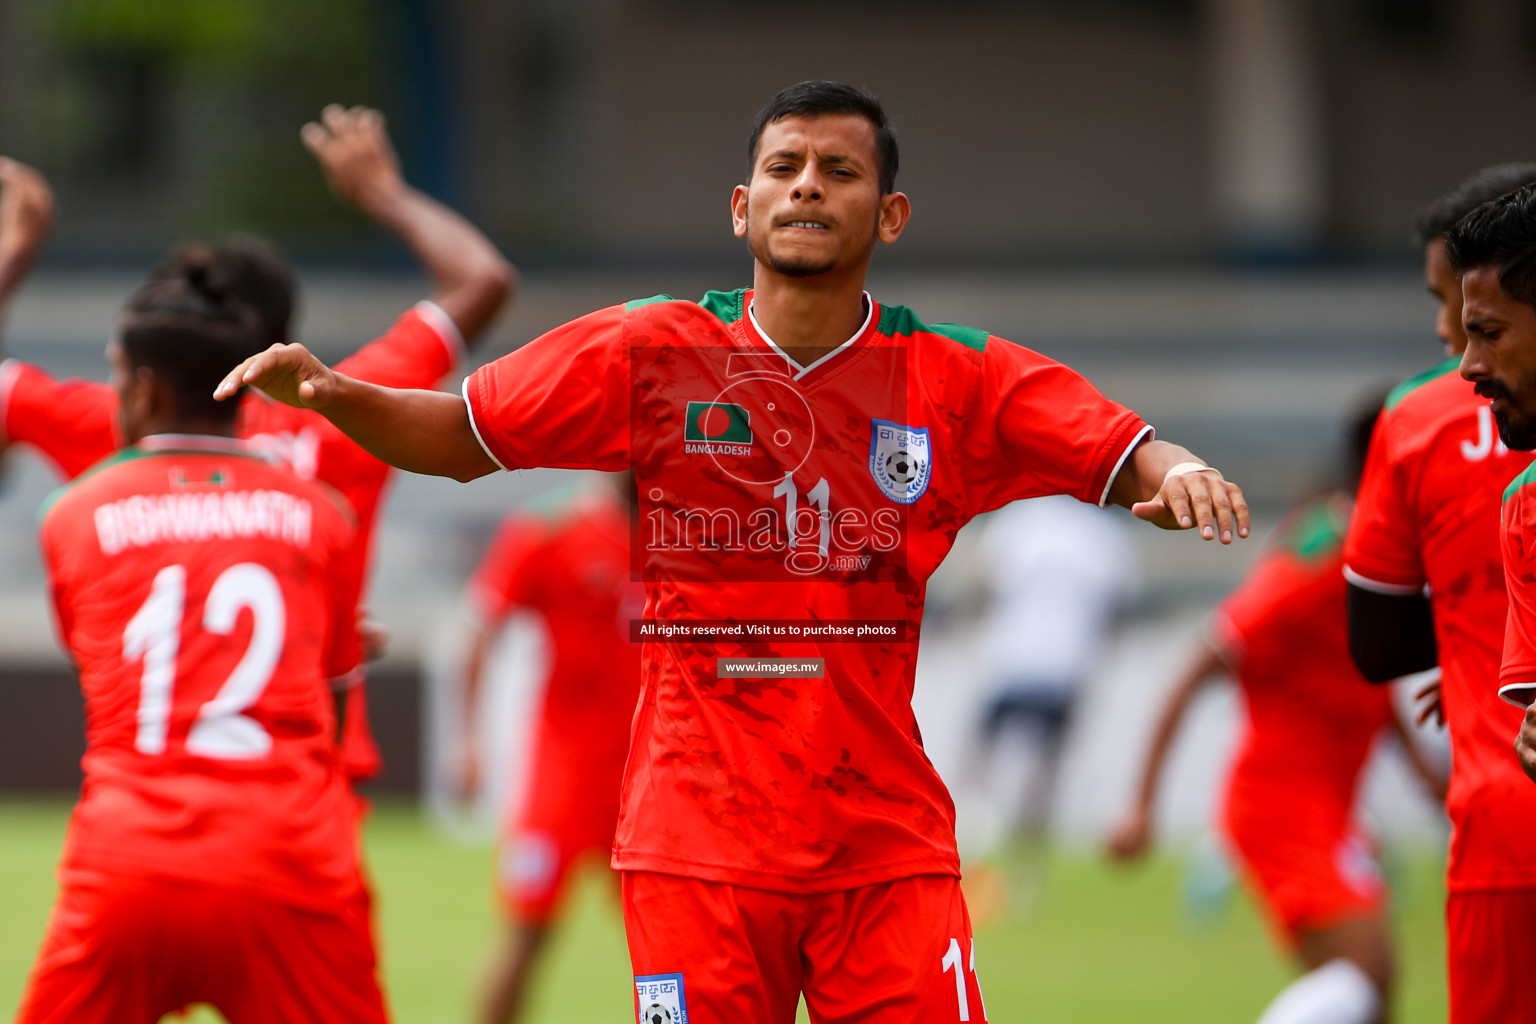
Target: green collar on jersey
{"points": [[1527, 477], [1418, 380], [729, 307], [167, 446]]}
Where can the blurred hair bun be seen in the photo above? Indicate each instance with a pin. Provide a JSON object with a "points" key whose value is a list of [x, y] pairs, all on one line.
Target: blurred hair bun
{"points": [[199, 268]]}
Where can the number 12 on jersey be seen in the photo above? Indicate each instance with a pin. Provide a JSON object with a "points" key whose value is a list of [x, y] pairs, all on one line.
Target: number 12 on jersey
{"points": [[222, 730]]}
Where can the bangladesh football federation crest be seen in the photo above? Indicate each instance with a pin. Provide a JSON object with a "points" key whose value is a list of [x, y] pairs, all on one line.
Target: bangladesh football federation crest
{"points": [[900, 460], [661, 999]]}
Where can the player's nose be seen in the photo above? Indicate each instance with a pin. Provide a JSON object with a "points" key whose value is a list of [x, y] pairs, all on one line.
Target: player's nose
{"points": [[808, 186], [1474, 361]]}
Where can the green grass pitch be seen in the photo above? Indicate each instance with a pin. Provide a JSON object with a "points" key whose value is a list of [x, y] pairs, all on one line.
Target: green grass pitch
{"points": [[1098, 945]]}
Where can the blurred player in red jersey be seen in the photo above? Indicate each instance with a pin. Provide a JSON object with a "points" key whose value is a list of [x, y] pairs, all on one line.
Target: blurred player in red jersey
{"points": [[573, 569], [1428, 520], [201, 591], [805, 455], [1312, 721], [73, 423]]}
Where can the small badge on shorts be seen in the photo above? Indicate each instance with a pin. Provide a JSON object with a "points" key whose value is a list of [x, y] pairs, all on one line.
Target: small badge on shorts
{"points": [[661, 999]]}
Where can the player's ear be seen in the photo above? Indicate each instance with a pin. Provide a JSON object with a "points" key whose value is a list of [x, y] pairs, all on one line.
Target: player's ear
{"points": [[895, 211], [739, 211]]}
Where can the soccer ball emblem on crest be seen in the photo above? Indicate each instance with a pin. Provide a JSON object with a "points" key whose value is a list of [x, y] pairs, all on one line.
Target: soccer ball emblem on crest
{"points": [[899, 466], [656, 1014]]}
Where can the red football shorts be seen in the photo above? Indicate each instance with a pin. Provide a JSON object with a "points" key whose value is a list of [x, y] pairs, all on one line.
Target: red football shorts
{"points": [[123, 950], [898, 952], [570, 809], [1311, 870], [1490, 945]]}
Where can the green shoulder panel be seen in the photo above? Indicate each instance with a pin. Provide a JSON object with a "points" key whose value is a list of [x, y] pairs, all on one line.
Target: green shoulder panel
{"points": [[1314, 531], [1525, 478], [120, 456], [1417, 381], [727, 307], [899, 320], [637, 303]]}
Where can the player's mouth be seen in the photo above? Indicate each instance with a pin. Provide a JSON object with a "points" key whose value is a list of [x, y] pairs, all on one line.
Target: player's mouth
{"points": [[806, 225]]}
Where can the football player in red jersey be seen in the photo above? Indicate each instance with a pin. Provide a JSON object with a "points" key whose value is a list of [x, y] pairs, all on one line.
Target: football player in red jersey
{"points": [[1288, 810], [72, 422], [571, 567], [1428, 519], [804, 457], [213, 856]]}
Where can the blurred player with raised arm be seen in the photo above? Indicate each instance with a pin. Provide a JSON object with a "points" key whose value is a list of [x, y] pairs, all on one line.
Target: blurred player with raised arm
{"points": [[804, 457], [1311, 723], [73, 422], [571, 566], [1428, 519], [202, 594]]}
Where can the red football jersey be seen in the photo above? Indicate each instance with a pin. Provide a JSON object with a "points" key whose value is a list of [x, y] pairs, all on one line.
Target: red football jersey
{"points": [[1428, 515], [196, 588], [1312, 717], [573, 569], [825, 495]]}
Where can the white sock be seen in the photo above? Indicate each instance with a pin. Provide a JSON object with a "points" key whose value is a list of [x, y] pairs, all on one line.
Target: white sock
{"points": [[1338, 992]]}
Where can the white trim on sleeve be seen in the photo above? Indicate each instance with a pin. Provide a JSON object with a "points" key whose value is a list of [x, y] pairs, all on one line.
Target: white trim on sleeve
{"points": [[1518, 694], [1378, 587], [447, 330], [1146, 433], [470, 409], [10, 369]]}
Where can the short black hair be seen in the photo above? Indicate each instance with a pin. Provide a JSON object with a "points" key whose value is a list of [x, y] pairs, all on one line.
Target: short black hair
{"points": [[250, 268], [191, 329], [817, 98], [1500, 234], [1489, 183]]}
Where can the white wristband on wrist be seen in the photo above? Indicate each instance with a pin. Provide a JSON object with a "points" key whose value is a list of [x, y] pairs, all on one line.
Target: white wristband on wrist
{"points": [[1185, 467]]}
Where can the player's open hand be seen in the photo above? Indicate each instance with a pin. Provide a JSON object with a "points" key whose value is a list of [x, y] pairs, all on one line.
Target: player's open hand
{"points": [[1525, 743], [26, 210], [1197, 496], [355, 153], [289, 373], [1132, 838]]}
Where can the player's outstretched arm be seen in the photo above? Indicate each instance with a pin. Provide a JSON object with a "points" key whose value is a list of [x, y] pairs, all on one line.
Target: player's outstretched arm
{"points": [[1168, 487], [26, 214], [1132, 837], [471, 279], [425, 432]]}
